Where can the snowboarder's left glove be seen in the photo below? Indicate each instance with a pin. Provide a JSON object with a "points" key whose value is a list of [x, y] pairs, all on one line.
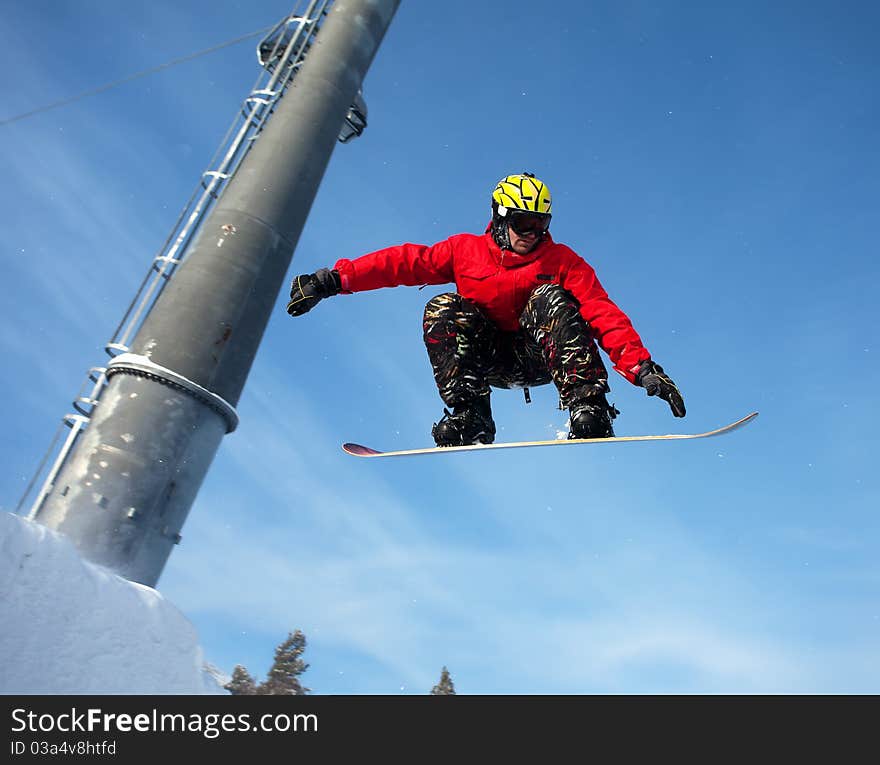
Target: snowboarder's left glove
{"points": [[308, 289], [652, 378]]}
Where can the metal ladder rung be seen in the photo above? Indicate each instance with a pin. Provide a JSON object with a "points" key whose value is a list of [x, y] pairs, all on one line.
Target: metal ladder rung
{"points": [[90, 402]]}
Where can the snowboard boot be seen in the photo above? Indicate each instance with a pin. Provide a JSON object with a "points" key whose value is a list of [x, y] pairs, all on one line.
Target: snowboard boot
{"points": [[466, 424], [591, 416]]}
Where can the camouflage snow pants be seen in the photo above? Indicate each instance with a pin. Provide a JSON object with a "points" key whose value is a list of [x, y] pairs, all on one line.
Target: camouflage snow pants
{"points": [[468, 352]]}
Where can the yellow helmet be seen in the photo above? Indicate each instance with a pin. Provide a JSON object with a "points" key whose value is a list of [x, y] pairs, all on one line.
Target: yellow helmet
{"points": [[521, 192]]}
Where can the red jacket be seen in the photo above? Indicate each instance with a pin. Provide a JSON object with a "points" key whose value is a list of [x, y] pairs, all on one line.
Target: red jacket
{"points": [[500, 282]]}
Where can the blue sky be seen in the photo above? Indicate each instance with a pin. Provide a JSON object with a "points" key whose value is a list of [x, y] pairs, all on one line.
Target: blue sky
{"points": [[716, 163]]}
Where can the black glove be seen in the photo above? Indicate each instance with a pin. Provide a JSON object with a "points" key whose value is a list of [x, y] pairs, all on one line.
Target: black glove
{"points": [[652, 378], [307, 289]]}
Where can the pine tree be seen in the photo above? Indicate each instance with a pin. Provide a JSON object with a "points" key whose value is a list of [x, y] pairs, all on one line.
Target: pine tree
{"points": [[283, 677], [445, 687], [241, 684]]}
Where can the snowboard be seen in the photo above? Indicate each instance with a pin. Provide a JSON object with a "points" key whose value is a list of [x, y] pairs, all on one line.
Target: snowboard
{"points": [[365, 451]]}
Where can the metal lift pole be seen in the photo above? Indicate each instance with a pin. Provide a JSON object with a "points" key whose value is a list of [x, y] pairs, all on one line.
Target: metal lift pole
{"points": [[125, 490]]}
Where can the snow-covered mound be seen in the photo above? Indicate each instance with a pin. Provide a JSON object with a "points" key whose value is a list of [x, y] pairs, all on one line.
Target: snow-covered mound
{"points": [[69, 626]]}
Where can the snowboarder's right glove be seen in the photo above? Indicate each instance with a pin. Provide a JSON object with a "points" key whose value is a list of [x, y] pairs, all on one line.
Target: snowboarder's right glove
{"points": [[308, 289], [652, 378]]}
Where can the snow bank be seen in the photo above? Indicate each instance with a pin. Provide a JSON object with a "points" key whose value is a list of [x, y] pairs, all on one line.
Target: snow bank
{"points": [[69, 626]]}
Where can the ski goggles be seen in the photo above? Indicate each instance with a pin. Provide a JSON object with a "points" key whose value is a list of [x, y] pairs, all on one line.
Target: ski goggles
{"points": [[525, 223]]}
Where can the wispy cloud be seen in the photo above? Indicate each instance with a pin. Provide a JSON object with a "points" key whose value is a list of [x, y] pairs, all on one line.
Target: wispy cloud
{"points": [[356, 564]]}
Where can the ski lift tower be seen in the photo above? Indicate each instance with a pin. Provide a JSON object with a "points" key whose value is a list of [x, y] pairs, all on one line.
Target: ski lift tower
{"points": [[148, 424]]}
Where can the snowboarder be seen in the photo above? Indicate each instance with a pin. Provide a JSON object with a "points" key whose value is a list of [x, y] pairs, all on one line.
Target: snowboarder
{"points": [[527, 311]]}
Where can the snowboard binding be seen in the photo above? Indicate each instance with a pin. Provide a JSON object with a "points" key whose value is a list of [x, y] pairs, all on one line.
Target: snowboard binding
{"points": [[465, 425]]}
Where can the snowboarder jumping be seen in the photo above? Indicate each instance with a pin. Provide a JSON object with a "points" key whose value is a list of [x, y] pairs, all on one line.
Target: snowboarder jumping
{"points": [[527, 311]]}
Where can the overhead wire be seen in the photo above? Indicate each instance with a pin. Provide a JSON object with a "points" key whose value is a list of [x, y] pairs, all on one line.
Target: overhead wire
{"points": [[129, 78]]}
